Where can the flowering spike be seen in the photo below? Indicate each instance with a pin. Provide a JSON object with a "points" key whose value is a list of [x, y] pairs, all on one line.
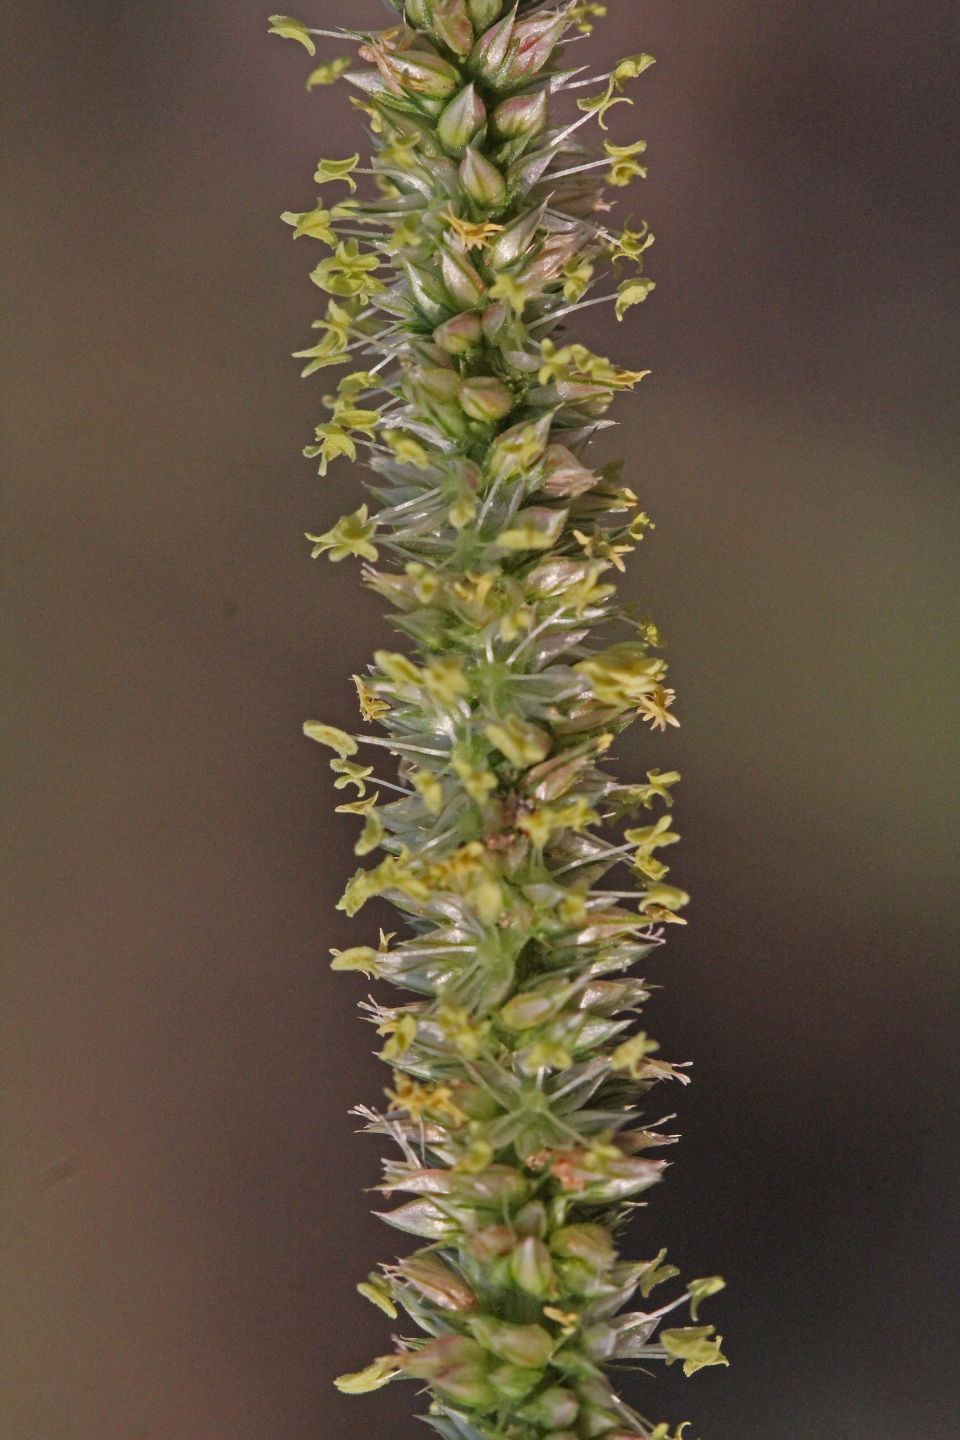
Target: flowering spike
{"points": [[518, 1070]]}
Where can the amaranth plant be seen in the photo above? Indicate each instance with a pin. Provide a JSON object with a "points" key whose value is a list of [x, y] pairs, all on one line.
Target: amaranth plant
{"points": [[518, 1076]]}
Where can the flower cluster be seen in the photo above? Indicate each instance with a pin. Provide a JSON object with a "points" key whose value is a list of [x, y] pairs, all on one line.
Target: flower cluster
{"points": [[518, 1075]]}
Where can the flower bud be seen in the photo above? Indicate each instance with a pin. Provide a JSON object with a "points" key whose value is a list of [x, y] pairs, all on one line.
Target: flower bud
{"points": [[498, 1186], [531, 45], [434, 393], [460, 278], [493, 320], [491, 1241], [576, 1278], [518, 449], [439, 385], [439, 1355], [531, 1220], [524, 173], [490, 51], [564, 476], [461, 121], [530, 1267], [590, 1243], [513, 241], [461, 512], [599, 1341], [428, 1274], [554, 1409], [513, 1382], [521, 115], [535, 1007], [459, 335], [482, 13], [455, 1364], [468, 1385], [486, 399], [482, 181], [428, 292], [555, 252], [451, 24], [594, 1421], [528, 1345], [417, 73]]}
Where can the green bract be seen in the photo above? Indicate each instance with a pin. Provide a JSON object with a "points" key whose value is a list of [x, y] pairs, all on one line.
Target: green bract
{"points": [[478, 226]]}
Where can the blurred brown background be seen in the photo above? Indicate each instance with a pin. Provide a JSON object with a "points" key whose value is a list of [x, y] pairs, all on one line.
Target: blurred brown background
{"points": [[183, 1210]]}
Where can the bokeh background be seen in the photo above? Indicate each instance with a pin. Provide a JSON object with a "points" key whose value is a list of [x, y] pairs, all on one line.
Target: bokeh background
{"points": [[184, 1216]]}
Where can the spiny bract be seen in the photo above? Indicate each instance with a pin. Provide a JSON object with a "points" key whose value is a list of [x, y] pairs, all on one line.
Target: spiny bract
{"points": [[516, 1086]]}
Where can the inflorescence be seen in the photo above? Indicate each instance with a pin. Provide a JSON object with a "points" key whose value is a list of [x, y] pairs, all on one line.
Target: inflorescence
{"points": [[517, 1074]]}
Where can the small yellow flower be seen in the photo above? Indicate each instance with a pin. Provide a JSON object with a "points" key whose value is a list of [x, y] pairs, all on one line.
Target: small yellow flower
{"points": [[544, 1055], [358, 957], [328, 170], [334, 442], [359, 807], [338, 740], [581, 14], [405, 235], [461, 1029], [399, 668], [566, 1319], [350, 536], [630, 67], [623, 674], [576, 277], [380, 1373], [376, 1292], [444, 679], [597, 547], [429, 789], [647, 839], [692, 1347], [407, 450], [522, 742], [506, 288], [477, 780], [475, 1159], [462, 511], [351, 774], [376, 119], [599, 104], [371, 706], [315, 222], [632, 1053], [400, 151], [419, 1100], [473, 235], [632, 292], [655, 707], [347, 273], [373, 833], [630, 244], [329, 73], [661, 901], [577, 362], [292, 29], [402, 1030], [624, 166]]}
